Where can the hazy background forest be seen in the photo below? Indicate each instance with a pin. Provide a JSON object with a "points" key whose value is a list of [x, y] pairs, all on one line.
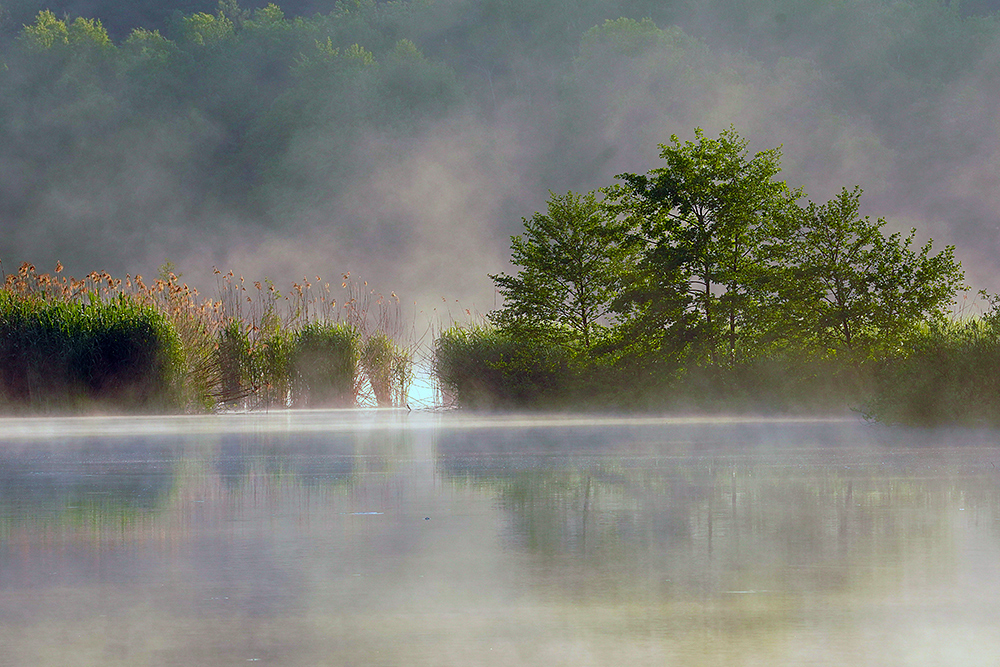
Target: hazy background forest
{"points": [[404, 141]]}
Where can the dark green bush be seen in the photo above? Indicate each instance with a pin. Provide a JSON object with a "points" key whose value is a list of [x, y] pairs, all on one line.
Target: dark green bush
{"points": [[117, 355], [488, 368], [949, 375], [324, 359]]}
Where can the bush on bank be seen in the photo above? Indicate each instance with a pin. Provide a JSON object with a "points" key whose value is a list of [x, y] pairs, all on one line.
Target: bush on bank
{"points": [[949, 375], [118, 355], [488, 368]]}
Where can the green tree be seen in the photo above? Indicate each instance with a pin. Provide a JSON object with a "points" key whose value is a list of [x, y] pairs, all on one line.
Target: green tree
{"points": [[45, 33], [204, 29], [860, 291], [570, 259], [701, 220], [230, 9]]}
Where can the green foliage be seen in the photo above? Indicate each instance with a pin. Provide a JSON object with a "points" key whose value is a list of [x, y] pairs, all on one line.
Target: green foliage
{"points": [[203, 29], [861, 292], [630, 38], [357, 56], [271, 15], [570, 262], [412, 87], [701, 221], [489, 368], [231, 10], [947, 375], [81, 39], [45, 33], [148, 46], [88, 34], [701, 284], [324, 358], [116, 355]]}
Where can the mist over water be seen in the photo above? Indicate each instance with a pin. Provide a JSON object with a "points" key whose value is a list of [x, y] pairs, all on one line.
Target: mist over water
{"points": [[387, 538]]}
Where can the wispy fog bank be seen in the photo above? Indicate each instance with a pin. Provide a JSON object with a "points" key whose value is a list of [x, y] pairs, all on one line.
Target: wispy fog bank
{"points": [[265, 154]]}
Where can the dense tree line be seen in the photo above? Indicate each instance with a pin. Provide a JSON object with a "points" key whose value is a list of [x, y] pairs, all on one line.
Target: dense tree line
{"points": [[243, 83], [706, 279]]}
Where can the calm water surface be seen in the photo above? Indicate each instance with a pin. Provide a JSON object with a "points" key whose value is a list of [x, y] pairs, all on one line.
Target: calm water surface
{"points": [[384, 538]]}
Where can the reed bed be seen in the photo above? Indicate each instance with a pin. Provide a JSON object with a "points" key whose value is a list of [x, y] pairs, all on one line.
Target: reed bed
{"points": [[951, 375], [129, 344]]}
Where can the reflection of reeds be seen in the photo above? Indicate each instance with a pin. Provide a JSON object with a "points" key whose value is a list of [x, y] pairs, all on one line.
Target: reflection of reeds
{"points": [[252, 347]]}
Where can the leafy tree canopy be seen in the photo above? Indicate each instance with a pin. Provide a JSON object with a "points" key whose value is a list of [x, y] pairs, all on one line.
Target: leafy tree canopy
{"points": [[571, 259]]}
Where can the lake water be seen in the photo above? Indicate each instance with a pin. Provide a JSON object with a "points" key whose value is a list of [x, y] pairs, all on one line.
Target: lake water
{"points": [[389, 538]]}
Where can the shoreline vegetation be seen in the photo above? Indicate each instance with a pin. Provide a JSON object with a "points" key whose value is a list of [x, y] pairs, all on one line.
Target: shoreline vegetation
{"points": [[103, 344], [704, 285], [707, 285]]}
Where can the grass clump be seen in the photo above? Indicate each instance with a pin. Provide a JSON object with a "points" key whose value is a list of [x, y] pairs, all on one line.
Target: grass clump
{"points": [[324, 360], [484, 367], [117, 354]]}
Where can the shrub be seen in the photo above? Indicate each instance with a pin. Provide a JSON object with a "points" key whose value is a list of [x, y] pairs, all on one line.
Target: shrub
{"points": [[324, 360], [488, 368], [117, 354]]}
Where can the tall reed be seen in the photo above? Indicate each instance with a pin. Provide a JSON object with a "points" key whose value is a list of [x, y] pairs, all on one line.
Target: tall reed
{"points": [[280, 330], [252, 347]]}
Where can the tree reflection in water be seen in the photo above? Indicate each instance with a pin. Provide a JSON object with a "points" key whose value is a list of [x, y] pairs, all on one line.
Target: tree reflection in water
{"points": [[319, 538]]}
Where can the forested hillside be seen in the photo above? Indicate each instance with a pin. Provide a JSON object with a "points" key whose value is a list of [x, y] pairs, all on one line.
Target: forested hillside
{"points": [[406, 140]]}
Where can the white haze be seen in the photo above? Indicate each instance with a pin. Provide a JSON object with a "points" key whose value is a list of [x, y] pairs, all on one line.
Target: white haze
{"points": [[429, 216]]}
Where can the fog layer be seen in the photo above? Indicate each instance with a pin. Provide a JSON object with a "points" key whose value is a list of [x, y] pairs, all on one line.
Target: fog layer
{"points": [[404, 141]]}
